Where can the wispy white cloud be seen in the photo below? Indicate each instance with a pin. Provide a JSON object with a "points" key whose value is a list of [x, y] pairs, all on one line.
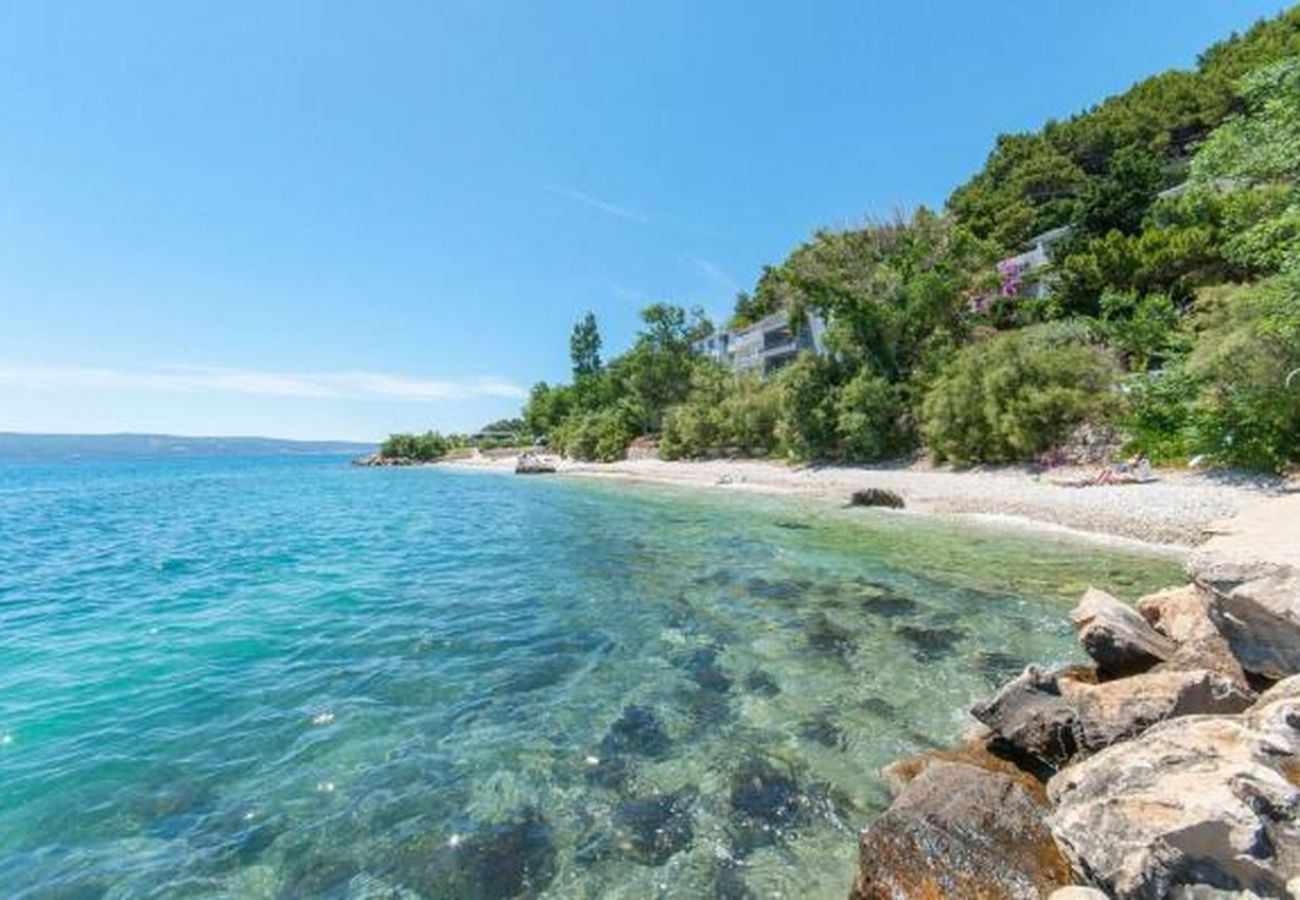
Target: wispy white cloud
{"points": [[627, 294], [201, 379], [715, 274], [612, 209]]}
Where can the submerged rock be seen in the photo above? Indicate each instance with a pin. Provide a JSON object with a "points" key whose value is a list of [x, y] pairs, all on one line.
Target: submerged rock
{"points": [[929, 644], [651, 829], [637, 731], [825, 636], [614, 773], [1117, 637], [765, 802], [728, 883], [880, 708], [702, 666], [514, 858], [823, 730], [958, 829], [760, 683], [1205, 800], [318, 875], [883, 601], [783, 589], [999, 666], [719, 578]]}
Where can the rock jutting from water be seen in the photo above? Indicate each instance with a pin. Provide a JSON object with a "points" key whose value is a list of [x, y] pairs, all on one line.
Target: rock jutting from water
{"points": [[531, 463], [876, 497], [1157, 771]]}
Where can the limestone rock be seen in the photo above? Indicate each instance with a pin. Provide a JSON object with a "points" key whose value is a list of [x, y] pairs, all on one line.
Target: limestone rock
{"points": [[1201, 800], [974, 751], [959, 830], [1031, 722], [1117, 637], [1185, 615], [1044, 720], [1114, 711], [534, 464], [1257, 608], [1077, 892]]}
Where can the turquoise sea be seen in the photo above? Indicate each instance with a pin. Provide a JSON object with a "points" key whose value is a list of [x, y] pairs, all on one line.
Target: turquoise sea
{"points": [[294, 678]]}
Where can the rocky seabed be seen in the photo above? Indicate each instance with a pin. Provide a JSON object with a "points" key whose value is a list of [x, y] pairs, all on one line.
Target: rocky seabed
{"points": [[1168, 767]]}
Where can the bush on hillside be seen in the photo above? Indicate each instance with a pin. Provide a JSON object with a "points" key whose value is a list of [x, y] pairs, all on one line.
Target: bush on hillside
{"points": [[1017, 394], [869, 421], [806, 418], [736, 414], [597, 436], [1246, 413]]}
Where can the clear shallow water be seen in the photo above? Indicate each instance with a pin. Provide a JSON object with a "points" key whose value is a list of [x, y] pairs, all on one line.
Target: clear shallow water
{"points": [[291, 678]]}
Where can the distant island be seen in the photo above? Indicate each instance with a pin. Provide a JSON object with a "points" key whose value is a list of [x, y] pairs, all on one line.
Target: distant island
{"points": [[16, 446]]}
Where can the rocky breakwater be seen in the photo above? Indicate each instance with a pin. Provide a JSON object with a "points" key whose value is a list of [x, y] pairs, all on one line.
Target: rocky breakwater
{"points": [[1168, 767], [378, 460]]}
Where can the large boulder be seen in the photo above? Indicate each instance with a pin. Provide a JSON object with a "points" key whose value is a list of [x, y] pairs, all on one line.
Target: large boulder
{"points": [[1031, 722], [531, 463], [1257, 608], [1117, 637], [1185, 615], [1114, 711], [1201, 800], [958, 829], [1045, 720]]}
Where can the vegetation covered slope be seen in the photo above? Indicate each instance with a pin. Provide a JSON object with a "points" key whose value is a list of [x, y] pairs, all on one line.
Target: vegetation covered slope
{"points": [[1171, 315]]}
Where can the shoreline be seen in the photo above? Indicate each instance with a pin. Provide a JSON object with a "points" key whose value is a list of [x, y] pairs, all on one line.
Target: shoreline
{"points": [[1171, 517]]}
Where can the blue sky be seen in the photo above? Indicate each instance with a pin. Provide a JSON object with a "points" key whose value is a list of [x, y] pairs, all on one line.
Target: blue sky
{"points": [[313, 219]]}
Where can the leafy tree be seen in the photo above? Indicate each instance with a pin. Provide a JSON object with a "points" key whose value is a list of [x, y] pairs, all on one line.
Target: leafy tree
{"points": [[1119, 200], [1260, 149], [1145, 329], [547, 408], [656, 372], [1034, 182], [584, 346]]}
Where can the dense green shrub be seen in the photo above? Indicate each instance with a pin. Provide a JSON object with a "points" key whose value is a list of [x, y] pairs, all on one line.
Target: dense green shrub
{"points": [[1144, 329], [1246, 413], [869, 421], [736, 414], [806, 417], [425, 447], [691, 430], [1016, 394], [1159, 416], [597, 436]]}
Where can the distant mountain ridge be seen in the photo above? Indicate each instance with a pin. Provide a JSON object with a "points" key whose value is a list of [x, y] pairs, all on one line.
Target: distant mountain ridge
{"points": [[15, 445]]}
